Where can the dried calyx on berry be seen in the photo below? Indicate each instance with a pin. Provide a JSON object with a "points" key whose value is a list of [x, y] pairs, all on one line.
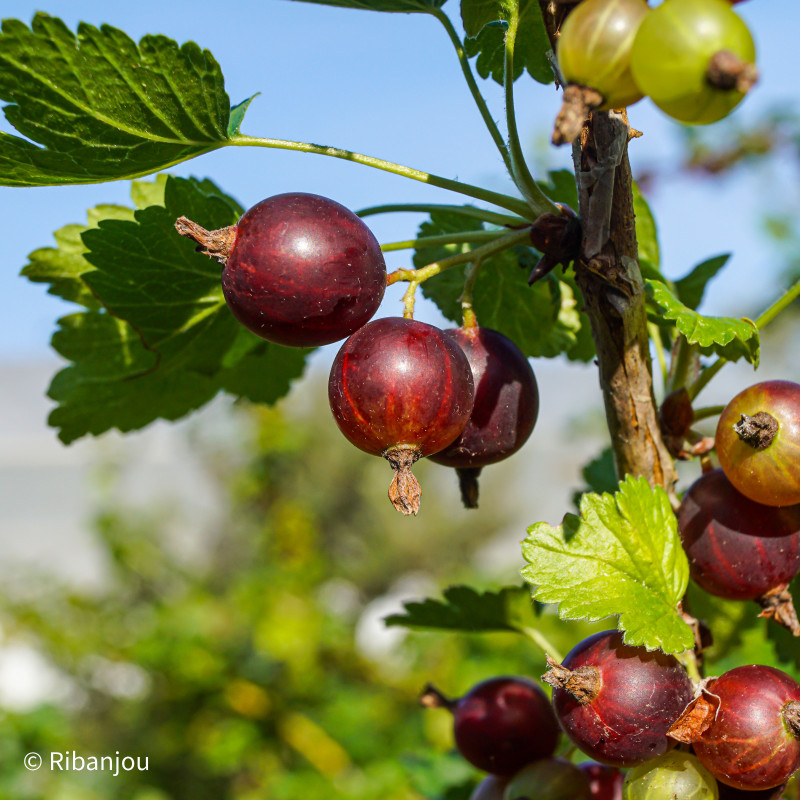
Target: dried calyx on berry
{"points": [[401, 389], [299, 269], [745, 727], [739, 549], [615, 701]]}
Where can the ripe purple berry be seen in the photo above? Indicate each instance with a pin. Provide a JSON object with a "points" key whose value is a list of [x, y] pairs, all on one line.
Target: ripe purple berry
{"points": [[617, 702], [300, 269], [502, 724], [401, 389], [505, 409], [739, 549]]}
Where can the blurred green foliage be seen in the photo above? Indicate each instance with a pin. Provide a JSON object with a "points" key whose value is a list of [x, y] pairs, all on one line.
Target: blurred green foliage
{"points": [[247, 668]]}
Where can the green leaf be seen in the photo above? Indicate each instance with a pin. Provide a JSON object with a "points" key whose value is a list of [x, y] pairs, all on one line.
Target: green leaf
{"points": [[115, 382], [727, 337], [101, 107], [407, 6], [158, 340], [487, 41], [691, 287], [466, 609], [237, 115], [600, 475], [543, 319], [621, 557], [62, 266], [561, 187], [646, 231], [475, 14]]}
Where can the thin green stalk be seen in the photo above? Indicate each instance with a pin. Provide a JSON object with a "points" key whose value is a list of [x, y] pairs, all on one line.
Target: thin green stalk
{"points": [[543, 643], [538, 201], [707, 412], [473, 87], [689, 661], [409, 298], [655, 335], [781, 304], [445, 238], [767, 316], [483, 214], [501, 200], [467, 311], [436, 267], [682, 363], [705, 377]]}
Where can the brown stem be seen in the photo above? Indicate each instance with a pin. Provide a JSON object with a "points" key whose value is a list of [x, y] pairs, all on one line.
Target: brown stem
{"points": [[404, 490], [729, 72], [613, 293], [777, 604], [468, 483], [431, 697], [758, 431], [217, 244], [582, 683]]}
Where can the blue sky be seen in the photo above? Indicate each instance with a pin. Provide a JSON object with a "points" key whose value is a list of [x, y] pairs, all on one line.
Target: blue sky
{"points": [[389, 86]]}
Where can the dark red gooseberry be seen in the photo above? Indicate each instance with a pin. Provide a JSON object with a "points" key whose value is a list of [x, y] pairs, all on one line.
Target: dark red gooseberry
{"points": [[549, 779], [752, 742], [300, 269], [492, 787], [605, 783], [738, 549], [403, 390], [501, 724], [617, 702], [729, 793], [505, 409], [758, 442]]}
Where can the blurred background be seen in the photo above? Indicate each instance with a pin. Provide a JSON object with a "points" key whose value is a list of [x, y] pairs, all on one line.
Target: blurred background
{"points": [[210, 594]]}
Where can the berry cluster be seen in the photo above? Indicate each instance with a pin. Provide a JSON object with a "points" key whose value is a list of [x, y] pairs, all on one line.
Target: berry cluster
{"points": [[302, 270], [693, 58], [506, 727], [626, 707]]}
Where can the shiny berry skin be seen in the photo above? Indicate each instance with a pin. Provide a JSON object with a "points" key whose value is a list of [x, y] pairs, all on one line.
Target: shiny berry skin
{"points": [[549, 779], [504, 723], [401, 389], [673, 775], [737, 549], [605, 783], [491, 787], [729, 793], [635, 698], [750, 743], [594, 48], [303, 271], [506, 400], [672, 53], [400, 382], [768, 473]]}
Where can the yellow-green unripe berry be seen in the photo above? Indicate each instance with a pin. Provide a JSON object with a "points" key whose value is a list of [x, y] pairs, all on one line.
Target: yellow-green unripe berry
{"points": [[594, 48], [672, 53], [673, 775]]}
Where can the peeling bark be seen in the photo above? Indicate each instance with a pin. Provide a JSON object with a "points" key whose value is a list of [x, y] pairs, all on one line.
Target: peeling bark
{"points": [[613, 293]]}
